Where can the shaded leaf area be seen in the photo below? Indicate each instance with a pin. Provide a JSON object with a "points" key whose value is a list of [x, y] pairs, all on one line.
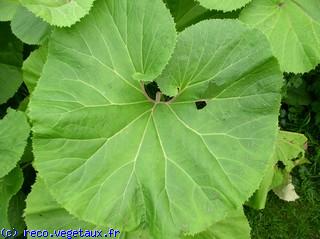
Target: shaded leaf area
{"points": [[8, 9], [293, 29], [15, 101], [189, 12], [158, 181], [9, 186], [16, 209], [59, 12], [29, 28], [10, 63], [14, 132]]}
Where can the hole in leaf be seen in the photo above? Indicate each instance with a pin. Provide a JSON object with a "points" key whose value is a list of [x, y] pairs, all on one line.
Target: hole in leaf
{"points": [[280, 165], [201, 104], [152, 88]]}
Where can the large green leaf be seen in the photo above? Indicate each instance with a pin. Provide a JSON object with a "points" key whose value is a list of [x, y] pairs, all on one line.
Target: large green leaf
{"points": [[59, 12], [9, 186], [8, 9], [290, 152], [224, 5], [293, 29], [10, 62], [14, 132], [111, 155], [32, 67], [29, 28]]}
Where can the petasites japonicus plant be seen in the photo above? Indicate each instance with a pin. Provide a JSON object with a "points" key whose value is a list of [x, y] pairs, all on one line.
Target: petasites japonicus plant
{"points": [[112, 155]]}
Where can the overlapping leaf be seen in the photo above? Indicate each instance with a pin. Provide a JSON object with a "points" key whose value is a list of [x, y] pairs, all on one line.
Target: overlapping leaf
{"points": [[59, 12], [223, 5], [112, 156], [32, 67], [293, 29], [29, 28], [189, 12], [14, 132]]}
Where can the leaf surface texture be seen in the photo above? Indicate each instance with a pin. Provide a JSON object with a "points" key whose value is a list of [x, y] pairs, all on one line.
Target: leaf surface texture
{"points": [[153, 164]]}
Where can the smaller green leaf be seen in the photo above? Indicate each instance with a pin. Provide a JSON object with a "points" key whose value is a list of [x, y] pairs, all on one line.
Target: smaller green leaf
{"points": [[225, 5], [293, 29], [29, 28], [32, 67], [8, 9], [9, 186], [59, 12], [290, 150], [14, 132]]}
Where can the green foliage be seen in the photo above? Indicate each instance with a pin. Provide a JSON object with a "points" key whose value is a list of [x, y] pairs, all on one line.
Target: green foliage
{"points": [[157, 133], [293, 29]]}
